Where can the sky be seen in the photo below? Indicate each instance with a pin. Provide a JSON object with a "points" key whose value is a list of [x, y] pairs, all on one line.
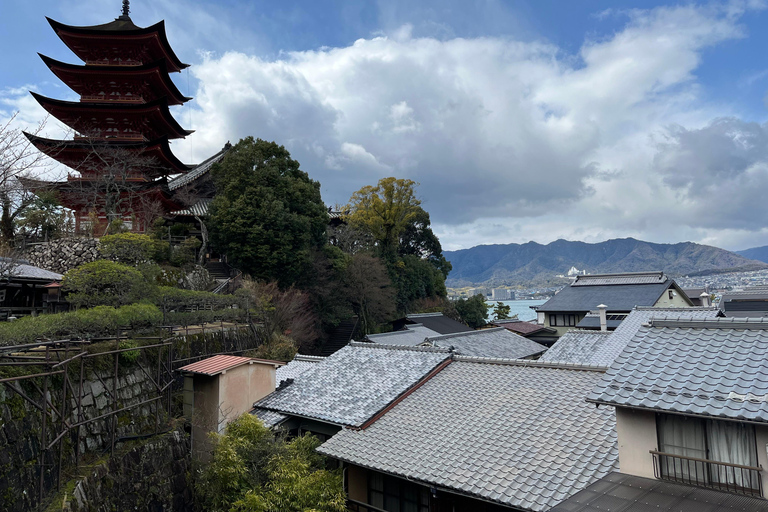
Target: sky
{"points": [[520, 120]]}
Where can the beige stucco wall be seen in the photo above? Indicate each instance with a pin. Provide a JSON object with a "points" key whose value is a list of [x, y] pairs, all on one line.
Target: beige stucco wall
{"points": [[676, 302], [636, 431], [357, 483], [240, 387]]}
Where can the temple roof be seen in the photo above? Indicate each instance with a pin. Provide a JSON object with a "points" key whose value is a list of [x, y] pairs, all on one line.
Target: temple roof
{"points": [[150, 81], [86, 41], [151, 120], [75, 154]]}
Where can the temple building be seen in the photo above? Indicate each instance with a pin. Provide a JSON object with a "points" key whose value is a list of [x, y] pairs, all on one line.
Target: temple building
{"points": [[120, 152]]}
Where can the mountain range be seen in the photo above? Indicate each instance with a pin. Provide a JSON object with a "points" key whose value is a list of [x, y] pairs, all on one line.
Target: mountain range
{"points": [[534, 263], [755, 253]]}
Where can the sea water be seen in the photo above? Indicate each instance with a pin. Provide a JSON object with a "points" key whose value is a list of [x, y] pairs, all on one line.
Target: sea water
{"points": [[521, 308]]}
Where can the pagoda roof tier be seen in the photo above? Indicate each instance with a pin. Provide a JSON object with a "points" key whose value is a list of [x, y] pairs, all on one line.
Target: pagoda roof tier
{"points": [[76, 196], [78, 154], [138, 84], [112, 120], [119, 42]]}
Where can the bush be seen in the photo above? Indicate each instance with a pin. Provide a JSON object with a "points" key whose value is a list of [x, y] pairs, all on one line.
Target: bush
{"points": [[85, 323], [252, 470], [186, 252], [132, 248], [104, 282]]}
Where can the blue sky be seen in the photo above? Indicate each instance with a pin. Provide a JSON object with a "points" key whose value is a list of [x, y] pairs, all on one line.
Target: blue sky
{"points": [[521, 120]]}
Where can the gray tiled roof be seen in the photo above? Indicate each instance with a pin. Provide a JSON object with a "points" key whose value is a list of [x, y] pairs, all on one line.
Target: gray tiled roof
{"points": [[496, 342], [618, 492], [580, 347], [517, 434], [614, 293], [197, 172], [268, 418], [296, 367], [714, 367], [412, 335], [23, 271], [596, 348], [354, 383], [199, 209]]}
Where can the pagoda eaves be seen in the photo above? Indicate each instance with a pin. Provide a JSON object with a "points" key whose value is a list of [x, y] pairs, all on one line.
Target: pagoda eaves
{"points": [[137, 84], [75, 153], [101, 120], [119, 42]]}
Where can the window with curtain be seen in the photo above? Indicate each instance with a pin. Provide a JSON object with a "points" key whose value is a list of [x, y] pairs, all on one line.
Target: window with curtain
{"points": [[719, 441]]}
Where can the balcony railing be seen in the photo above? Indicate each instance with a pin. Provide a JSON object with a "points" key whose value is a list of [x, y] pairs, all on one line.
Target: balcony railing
{"points": [[357, 506], [722, 476]]}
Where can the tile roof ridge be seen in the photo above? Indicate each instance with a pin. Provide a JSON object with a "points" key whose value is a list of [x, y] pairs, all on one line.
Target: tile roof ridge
{"points": [[308, 358], [675, 308], [382, 346], [462, 334], [530, 363], [757, 323], [423, 315]]}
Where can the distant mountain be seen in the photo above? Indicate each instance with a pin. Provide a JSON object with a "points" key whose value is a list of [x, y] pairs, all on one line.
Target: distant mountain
{"points": [[755, 253], [535, 263]]}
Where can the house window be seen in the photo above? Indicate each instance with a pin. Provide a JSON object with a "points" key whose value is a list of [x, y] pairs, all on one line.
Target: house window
{"points": [[562, 320], [692, 442], [671, 294], [396, 495]]}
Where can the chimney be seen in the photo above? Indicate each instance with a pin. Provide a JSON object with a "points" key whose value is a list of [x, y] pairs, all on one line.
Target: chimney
{"points": [[704, 299], [603, 317]]}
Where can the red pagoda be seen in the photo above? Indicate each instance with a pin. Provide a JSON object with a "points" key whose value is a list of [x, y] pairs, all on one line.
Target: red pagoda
{"points": [[122, 125]]}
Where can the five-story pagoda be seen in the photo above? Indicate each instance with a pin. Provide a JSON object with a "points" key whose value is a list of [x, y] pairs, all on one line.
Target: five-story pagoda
{"points": [[122, 124]]}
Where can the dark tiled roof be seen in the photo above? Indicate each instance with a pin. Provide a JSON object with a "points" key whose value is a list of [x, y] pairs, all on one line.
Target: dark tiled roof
{"points": [[517, 434], [617, 492], [620, 279], [269, 418], [521, 327], [618, 297], [199, 171], [354, 383], [497, 342], [714, 367], [580, 347], [438, 323], [199, 209], [591, 321], [23, 271], [412, 335]]}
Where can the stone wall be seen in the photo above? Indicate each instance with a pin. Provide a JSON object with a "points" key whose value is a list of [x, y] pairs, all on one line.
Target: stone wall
{"points": [[153, 476], [63, 254], [21, 426]]}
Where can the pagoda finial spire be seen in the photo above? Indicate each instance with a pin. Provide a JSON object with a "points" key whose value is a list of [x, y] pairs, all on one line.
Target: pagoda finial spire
{"points": [[126, 8]]}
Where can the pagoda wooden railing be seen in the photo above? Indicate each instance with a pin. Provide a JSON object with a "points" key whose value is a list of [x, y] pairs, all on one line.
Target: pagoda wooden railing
{"points": [[723, 476], [107, 99]]}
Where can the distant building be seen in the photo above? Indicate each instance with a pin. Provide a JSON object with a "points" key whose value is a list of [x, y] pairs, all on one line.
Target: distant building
{"points": [[502, 294], [750, 302], [620, 293]]}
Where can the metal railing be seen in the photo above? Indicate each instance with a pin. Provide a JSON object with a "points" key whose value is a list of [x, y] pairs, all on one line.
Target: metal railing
{"points": [[722, 476], [358, 506]]}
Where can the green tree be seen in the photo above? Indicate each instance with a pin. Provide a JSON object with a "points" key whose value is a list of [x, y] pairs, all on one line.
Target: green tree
{"points": [[385, 211], [104, 283], [473, 311], [43, 217], [267, 215], [132, 248], [501, 311], [252, 470]]}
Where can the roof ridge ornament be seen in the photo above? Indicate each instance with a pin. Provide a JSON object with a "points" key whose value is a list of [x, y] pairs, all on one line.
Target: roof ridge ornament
{"points": [[126, 10]]}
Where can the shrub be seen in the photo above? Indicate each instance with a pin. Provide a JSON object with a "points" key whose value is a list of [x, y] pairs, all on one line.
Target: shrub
{"points": [[85, 323], [186, 252], [132, 248], [104, 282]]}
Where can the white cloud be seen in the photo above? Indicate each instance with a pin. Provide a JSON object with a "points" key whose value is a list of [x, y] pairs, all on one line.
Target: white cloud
{"points": [[511, 140]]}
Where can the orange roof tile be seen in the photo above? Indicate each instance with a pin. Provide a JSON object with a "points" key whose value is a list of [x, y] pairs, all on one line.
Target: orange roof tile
{"points": [[218, 364]]}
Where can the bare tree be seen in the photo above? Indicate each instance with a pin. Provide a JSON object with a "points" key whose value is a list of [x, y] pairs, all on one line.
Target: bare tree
{"points": [[18, 159], [189, 197]]}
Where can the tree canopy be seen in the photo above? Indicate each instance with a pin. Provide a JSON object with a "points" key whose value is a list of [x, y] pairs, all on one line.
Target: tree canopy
{"points": [[267, 215]]}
